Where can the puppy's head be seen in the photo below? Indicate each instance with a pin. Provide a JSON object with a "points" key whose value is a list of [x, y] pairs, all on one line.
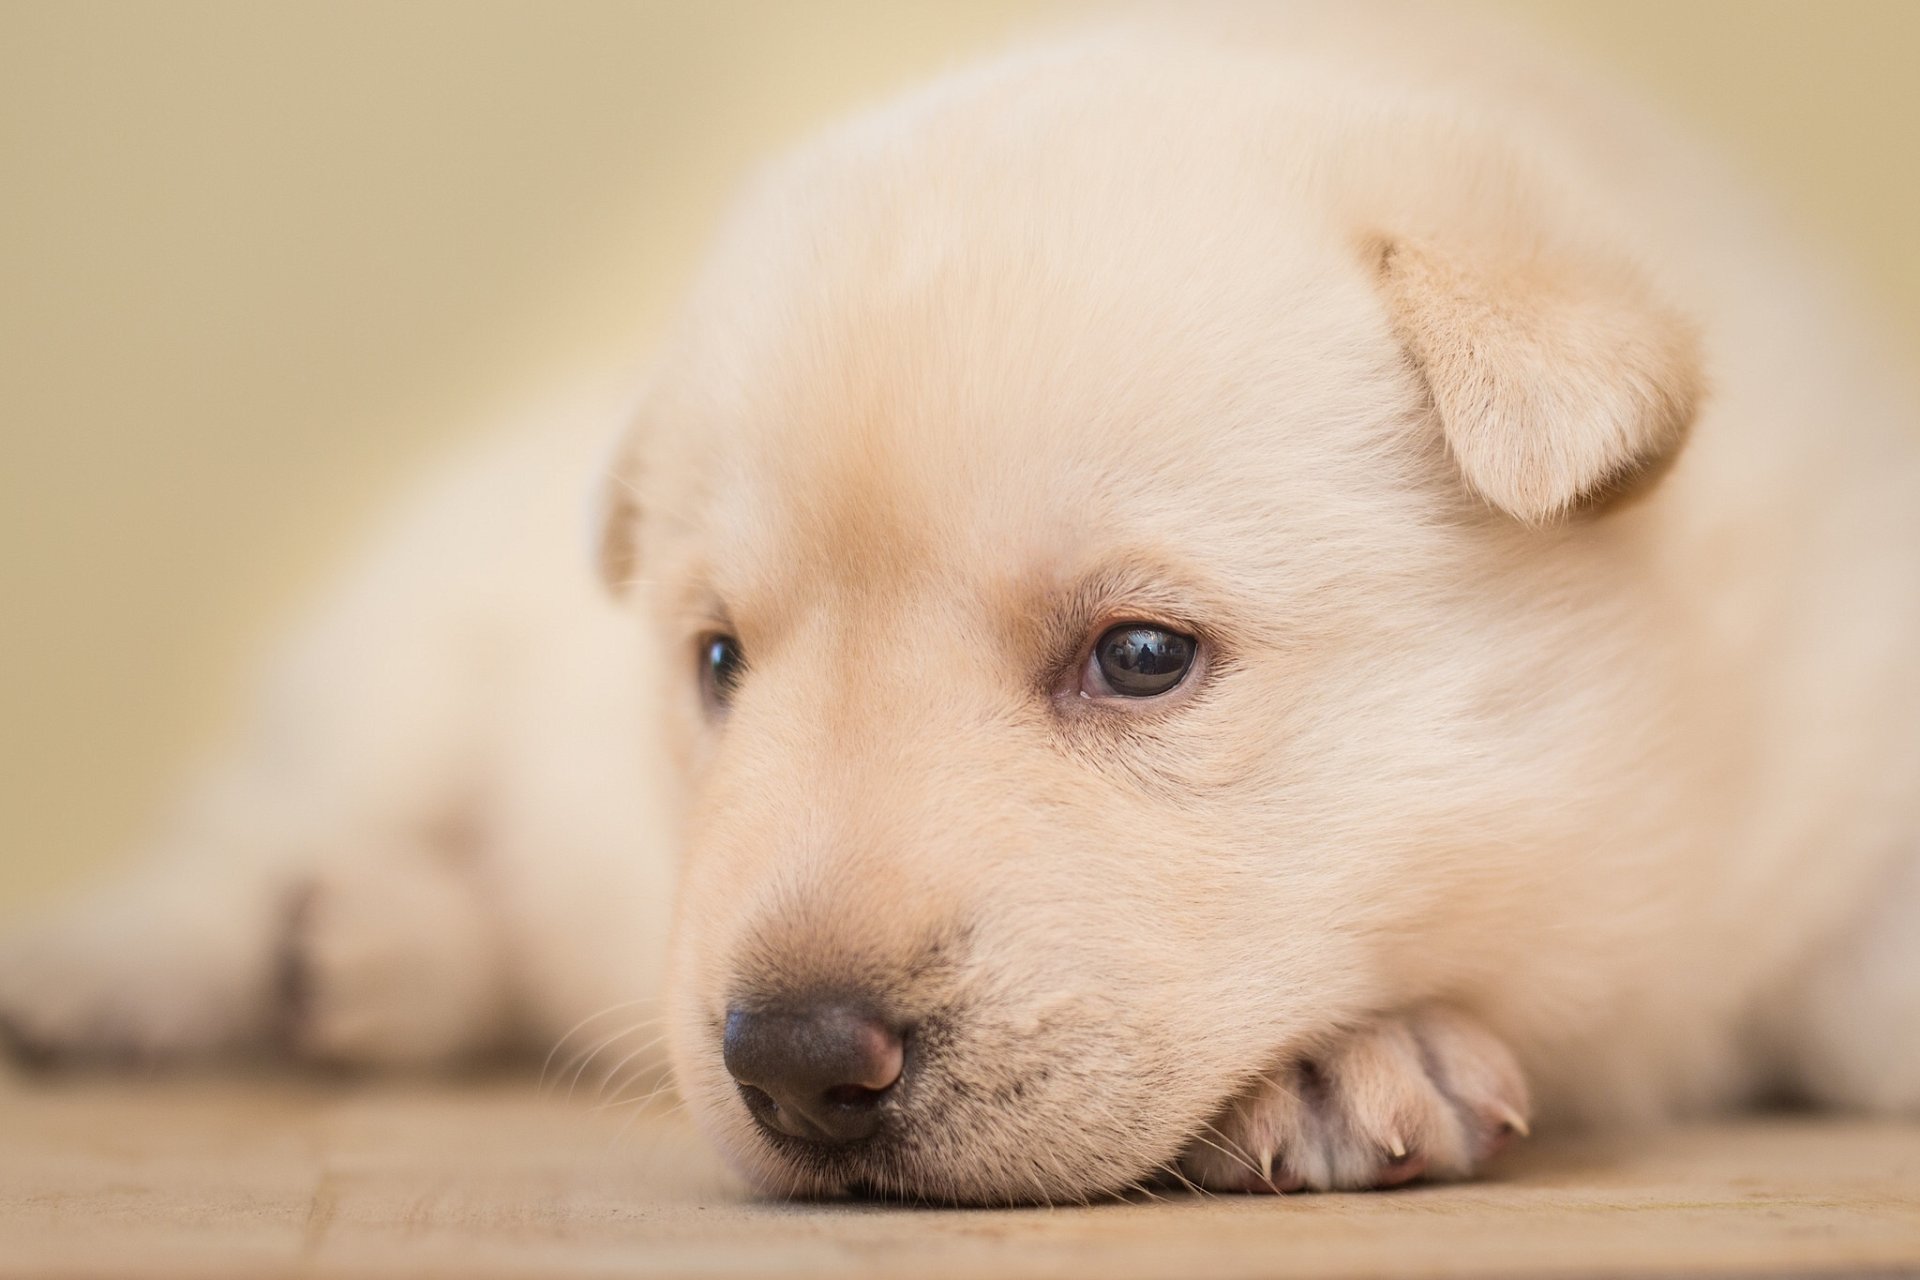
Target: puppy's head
{"points": [[1116, 572]]}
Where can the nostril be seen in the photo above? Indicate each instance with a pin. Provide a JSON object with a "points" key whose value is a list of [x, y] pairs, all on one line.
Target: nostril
{"points": [[816, 1072], [855, 1095]]}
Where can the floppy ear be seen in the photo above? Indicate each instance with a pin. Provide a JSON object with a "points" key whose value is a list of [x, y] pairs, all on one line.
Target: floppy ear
{"points": [[1558, 380], [615, 521]]}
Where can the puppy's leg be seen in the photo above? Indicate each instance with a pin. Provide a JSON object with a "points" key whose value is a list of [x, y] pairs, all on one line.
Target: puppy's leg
{"points": [[386, 960], [257, 928], [368, 739], [354, 759], [1429, 1094], [171, 963], [391, 959], [1849, 1029], [349, 853]]}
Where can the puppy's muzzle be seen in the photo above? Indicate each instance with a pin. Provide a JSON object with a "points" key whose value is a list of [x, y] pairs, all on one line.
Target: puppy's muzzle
{"points": [[816, 1072]]}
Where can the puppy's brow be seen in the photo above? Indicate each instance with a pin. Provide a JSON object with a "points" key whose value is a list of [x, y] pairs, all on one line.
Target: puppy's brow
{"points": [[1133, 588], [693, 603]]}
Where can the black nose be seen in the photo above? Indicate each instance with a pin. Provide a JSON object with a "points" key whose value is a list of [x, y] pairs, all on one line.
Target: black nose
{"points": [[817, 1072]]}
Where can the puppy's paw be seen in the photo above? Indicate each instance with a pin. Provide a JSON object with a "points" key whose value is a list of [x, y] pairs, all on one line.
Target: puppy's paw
{"points": [[1428, 1095], [389, 963], [149, 974]]}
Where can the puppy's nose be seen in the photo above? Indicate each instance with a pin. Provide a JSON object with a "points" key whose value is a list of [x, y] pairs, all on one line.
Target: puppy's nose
{"points": [[816, 1073]]}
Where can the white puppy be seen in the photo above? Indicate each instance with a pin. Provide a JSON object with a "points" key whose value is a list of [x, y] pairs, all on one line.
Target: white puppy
{"points": [[1243, 596]]}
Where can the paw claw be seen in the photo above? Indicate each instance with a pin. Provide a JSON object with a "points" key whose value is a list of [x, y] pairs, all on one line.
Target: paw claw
{"points": [[1401, 1170], [1430, 1094]]}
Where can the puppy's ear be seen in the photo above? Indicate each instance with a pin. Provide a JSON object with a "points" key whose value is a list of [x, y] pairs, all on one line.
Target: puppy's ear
{"points": [[1558, 380], [615, 521]]}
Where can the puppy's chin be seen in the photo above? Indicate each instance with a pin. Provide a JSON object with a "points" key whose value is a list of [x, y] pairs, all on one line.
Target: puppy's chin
{"points": [[971, 1156], [917, 1177], [753, 1159]]}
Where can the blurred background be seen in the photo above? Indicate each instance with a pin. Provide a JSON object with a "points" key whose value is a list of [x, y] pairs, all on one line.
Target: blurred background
{"points": [[260, 260]]}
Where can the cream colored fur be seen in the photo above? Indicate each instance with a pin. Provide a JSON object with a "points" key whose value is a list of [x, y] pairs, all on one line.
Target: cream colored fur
{"points": [[1551, 536]]}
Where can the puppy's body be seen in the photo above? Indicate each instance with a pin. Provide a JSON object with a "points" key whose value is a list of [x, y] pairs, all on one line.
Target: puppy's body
{"points": [[1551, 538]]}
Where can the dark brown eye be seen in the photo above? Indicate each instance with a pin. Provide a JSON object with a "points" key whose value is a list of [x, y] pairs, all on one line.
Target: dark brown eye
{"points": [[722, 666], [1135, 660]]}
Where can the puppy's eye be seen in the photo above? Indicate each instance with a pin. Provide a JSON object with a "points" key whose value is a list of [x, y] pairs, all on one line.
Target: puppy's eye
{"points": [[722, 666], [1135, 660]]}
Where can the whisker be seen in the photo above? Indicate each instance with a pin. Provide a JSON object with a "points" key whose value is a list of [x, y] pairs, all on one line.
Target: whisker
{"points": [[1172, 1167], [606, 1081], [639, 1101], [597, 1050], [1244, 1153], [1231, 1155], [1278, 1088], [581, 1025], [1142, 1188]]}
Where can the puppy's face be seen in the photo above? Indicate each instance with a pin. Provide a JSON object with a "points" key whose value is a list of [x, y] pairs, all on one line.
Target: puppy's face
{"points": [[1091, 673]]}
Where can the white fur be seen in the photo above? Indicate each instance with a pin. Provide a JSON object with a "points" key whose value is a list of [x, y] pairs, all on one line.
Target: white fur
{"points": [[1332, 337]]}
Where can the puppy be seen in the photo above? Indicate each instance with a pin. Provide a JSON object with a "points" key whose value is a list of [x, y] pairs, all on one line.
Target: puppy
{"points": [[1262, 599]]}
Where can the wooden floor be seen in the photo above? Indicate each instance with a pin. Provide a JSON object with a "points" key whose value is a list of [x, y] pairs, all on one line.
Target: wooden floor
{"points": [[264, 1179]]}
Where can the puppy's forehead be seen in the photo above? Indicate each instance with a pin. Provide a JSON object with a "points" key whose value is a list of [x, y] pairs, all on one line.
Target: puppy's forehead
{"points": [[916, 438], [934, 359], [901, 460]]}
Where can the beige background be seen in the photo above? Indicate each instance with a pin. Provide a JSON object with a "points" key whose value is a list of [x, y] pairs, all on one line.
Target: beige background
{"points": [[259, 260]]}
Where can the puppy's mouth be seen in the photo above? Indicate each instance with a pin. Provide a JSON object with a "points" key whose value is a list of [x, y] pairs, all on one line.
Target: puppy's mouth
{"points": [[899, 1165], [843, 1103], [943, 1126], [940, 1082]]}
